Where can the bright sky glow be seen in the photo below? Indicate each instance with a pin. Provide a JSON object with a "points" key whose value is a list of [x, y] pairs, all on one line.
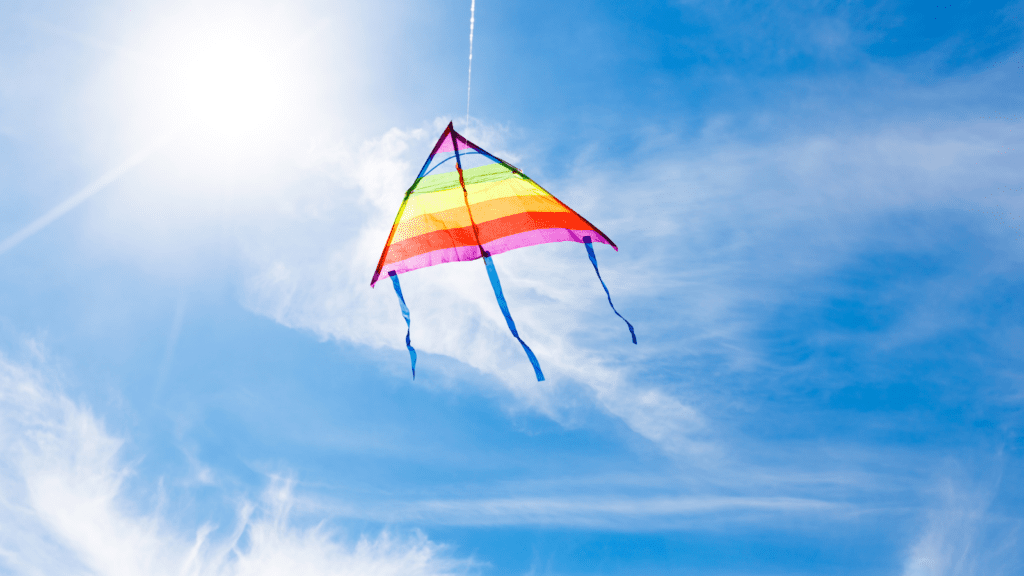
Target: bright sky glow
{"points": [[227, 81]]}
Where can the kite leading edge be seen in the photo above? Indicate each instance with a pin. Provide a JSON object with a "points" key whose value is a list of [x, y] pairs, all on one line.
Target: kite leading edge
{"points": [[478, 207]]}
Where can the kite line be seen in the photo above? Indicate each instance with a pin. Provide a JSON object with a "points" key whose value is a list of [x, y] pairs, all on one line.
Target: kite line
{"points": [[469, 79]]}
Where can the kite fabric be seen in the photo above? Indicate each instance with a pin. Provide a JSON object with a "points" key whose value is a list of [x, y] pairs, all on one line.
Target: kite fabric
{"points": [[467, 204], [456, 215]]}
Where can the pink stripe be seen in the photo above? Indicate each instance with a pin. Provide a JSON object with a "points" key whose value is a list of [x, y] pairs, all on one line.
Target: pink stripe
{"points": [[467, 253], [534, 237], [446, 146]]}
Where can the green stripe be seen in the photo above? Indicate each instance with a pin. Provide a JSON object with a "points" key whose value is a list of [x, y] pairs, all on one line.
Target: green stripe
{"points": [[448, 180]]}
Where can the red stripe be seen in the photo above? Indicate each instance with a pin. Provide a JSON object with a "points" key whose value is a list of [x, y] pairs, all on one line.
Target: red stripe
{"points": [[490, 230]]}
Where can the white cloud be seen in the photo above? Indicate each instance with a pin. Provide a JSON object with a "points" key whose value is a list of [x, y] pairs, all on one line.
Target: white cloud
{"points": [[63, 510], [963, 537], [453, 308], [720, 225], [603, 512]]}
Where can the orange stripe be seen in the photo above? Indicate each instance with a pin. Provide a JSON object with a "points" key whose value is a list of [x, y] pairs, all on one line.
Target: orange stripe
{"points": [[482, 212], [489, 231]]}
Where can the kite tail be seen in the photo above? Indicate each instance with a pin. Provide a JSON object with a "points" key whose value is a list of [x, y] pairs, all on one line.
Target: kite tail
{"points": [[496, 284], [405, 314], [593, 260]]}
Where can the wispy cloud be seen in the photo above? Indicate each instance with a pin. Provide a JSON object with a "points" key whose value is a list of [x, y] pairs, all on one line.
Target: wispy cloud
{"points": [[727, 227], [962, 535], [64, 510], [453, 309], [616, 513]]}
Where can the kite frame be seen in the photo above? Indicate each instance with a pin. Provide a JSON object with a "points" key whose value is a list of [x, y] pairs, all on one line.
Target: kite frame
{"points": [[450, 132]]}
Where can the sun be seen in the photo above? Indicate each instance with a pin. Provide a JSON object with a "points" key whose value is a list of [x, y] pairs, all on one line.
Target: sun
{"points": [[223, 81], [228, 80]]}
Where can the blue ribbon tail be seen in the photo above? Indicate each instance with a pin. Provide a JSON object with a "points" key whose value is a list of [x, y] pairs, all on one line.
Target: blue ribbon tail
{"points": [[496, 285], [405, 314], [593, 260]]}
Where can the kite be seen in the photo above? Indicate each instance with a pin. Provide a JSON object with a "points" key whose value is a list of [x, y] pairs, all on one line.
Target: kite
{"points": [[476, 207]]}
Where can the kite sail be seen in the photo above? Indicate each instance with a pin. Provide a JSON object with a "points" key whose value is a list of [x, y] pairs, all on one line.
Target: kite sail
{"points": [[467, 204]]}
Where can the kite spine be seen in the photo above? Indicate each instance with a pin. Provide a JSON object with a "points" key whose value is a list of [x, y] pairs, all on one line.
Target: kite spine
{"points": [[465, 194], [492, 273]]}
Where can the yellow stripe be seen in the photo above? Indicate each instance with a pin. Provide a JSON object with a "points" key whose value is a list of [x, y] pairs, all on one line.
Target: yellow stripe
{"points": [[482, 212], [420, 204]]}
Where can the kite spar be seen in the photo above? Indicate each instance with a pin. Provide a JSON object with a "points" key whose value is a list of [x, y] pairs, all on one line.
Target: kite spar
{"points": [[478, 206]]}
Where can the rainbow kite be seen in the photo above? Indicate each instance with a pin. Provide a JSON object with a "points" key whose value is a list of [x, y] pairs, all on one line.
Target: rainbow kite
{"points": [[479, 207]]}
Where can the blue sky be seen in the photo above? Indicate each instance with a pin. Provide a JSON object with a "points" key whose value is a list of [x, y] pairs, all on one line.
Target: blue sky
{"points": [[818, 208]]}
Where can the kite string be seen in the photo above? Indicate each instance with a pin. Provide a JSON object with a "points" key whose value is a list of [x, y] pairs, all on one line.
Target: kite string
{"points": [[469, 79]]}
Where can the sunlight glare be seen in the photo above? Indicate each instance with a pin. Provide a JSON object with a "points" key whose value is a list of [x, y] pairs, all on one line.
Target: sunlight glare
{"points": [[228, 81]]}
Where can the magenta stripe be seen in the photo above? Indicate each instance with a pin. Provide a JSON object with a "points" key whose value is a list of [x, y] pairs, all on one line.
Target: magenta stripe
{"points": [[534, 237], [466, 253], [446, 146]]}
